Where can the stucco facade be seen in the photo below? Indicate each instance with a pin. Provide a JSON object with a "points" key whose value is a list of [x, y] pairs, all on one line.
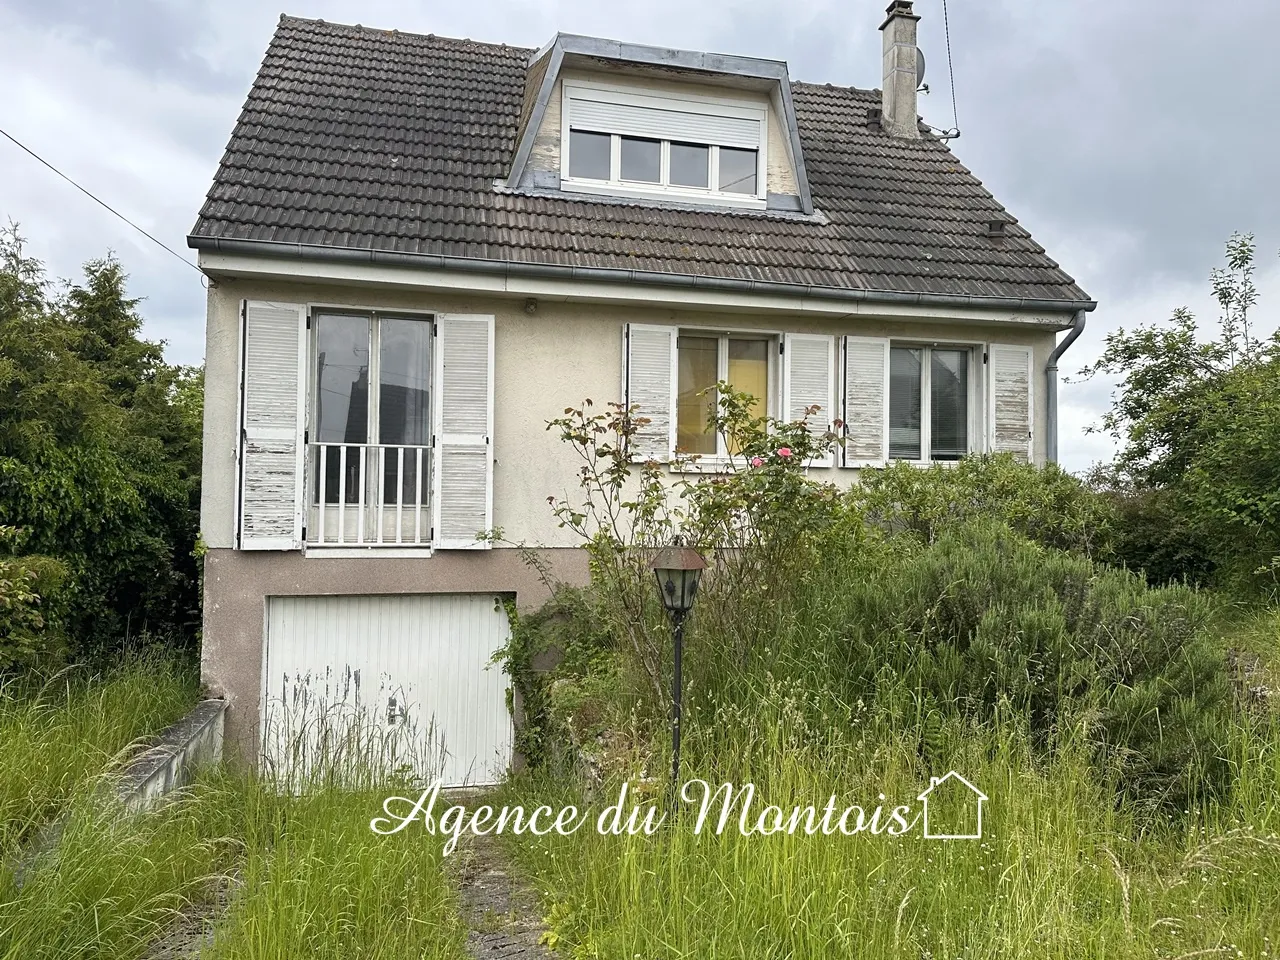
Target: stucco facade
{"points": [[556, 356]]}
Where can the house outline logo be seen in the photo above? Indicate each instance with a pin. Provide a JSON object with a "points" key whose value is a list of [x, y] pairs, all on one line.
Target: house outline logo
{"points": [[979, 797]]}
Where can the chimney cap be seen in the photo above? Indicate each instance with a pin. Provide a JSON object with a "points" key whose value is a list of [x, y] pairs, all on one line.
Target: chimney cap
{"points": [[997, 229], [898, 8]]}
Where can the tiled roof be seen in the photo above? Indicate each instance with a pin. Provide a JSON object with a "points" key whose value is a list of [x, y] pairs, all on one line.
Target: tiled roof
{"points": [[370, 139]]}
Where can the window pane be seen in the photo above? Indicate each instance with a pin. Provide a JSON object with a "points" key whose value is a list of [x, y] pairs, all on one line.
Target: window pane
{"points": [[404, 365], [690, 165], [589, 155], [904, 402], [342, 401], [737, 170], [641, 159], [948, 404], [699, 359], [749, 373], [342, 379]]}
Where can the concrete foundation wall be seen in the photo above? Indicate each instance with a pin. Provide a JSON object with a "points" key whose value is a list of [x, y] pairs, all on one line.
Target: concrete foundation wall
{"points": [[193, 741]]}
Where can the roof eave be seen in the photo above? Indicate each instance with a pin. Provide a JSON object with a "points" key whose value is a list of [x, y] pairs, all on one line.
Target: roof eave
{"points": [[515, 268]]}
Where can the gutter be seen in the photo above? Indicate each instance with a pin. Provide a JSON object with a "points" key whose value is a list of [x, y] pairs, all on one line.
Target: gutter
{"points": [[552, 271], [1051, 382]]}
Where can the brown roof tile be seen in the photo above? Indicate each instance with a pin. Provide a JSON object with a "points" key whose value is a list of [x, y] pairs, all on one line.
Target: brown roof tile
{"points": [[374, 139]]}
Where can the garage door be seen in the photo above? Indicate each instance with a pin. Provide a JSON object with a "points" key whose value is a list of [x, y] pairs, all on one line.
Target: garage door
{"points": [[384, 683]]}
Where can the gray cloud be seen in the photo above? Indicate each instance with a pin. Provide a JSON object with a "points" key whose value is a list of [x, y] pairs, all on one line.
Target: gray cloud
{"points": [[1130, 138]]}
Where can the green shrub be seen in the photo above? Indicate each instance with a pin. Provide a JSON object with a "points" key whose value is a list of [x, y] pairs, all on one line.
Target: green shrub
{"points": [[992, 619], [1045, 504], [30, 607], [1196, 416], [564, 640], [99, 453], [962, 593]]}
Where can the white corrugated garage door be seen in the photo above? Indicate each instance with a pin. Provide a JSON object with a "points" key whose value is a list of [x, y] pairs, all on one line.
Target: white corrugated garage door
{"points": [[399, 680]]}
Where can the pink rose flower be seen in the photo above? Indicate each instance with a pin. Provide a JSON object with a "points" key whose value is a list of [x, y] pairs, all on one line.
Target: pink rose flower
{"points": [[756, 462], [784, 451]]}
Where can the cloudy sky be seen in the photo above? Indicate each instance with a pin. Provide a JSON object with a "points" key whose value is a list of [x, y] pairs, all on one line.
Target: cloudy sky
{"points": [[1130, 136]]}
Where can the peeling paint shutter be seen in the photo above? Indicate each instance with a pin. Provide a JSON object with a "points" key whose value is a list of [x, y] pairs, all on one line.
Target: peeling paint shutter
{"points": [[1009, 414], [808, 381], [866, 401], [272, 397], [463, 448], [650, 381]]}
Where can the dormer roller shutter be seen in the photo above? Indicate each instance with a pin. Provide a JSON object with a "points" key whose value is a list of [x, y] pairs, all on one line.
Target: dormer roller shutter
{"points": [[866, 401], [463, 443], [808, 380], [649, 382], [273, 345], [1009, 404], [635, 120]]}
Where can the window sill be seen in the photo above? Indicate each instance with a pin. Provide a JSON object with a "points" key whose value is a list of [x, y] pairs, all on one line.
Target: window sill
{"points": [[723, 465], [354, 552], [928, 463], [624, 190]]}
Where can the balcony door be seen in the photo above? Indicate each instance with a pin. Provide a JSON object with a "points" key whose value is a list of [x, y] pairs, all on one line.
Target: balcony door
{"points": [[369, 442]]}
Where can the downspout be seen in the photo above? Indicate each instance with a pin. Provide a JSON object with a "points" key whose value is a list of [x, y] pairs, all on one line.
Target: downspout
{"points": [[1051, 378]]}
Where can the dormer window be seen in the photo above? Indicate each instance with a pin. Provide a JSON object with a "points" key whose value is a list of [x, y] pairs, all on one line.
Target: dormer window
{"points": [[687, 147]]}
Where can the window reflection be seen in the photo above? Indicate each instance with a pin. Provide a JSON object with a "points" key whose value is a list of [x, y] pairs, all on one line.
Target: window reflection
{"points": [[699, 358], [403, 375], [948, 404], [904, 402]]}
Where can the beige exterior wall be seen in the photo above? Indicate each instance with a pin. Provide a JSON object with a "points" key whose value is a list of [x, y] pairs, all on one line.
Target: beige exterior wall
{"points": [[557, 357], [561, 354]]}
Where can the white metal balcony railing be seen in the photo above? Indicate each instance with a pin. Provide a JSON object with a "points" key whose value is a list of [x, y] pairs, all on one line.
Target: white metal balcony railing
{"points": [[368, 494]]}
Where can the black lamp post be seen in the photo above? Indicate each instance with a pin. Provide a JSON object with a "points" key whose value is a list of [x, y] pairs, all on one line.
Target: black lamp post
{"points": [[677, 568]]}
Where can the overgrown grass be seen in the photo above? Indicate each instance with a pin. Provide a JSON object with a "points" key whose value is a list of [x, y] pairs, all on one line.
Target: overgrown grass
{"points": [[309, 879], [59, 733], [1063, 869], [317, 882], [1134, 802], [307, 876], [114, 882]]}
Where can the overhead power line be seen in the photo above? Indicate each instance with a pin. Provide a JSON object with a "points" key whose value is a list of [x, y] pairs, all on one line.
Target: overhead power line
{"points": [[951, 70], [101, 203]]}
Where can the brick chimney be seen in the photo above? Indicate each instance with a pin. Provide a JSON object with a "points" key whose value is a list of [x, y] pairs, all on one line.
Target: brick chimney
{"points": [[900, 117]]}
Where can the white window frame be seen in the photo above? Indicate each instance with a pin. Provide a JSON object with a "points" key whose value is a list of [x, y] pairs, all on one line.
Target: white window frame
{"points": [[311, 496], [773, 401], [756, 111], [976, 422]]}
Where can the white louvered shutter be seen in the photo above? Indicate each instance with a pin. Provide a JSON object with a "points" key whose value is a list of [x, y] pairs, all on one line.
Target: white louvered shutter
{"points": [[650, 383], [1009, 406], [462, 469], [866, 401], [272, 402], [808, 380]]}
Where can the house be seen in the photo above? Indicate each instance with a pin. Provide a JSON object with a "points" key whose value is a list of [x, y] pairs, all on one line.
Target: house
{"points": [[421, 249], [952, 808]]}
